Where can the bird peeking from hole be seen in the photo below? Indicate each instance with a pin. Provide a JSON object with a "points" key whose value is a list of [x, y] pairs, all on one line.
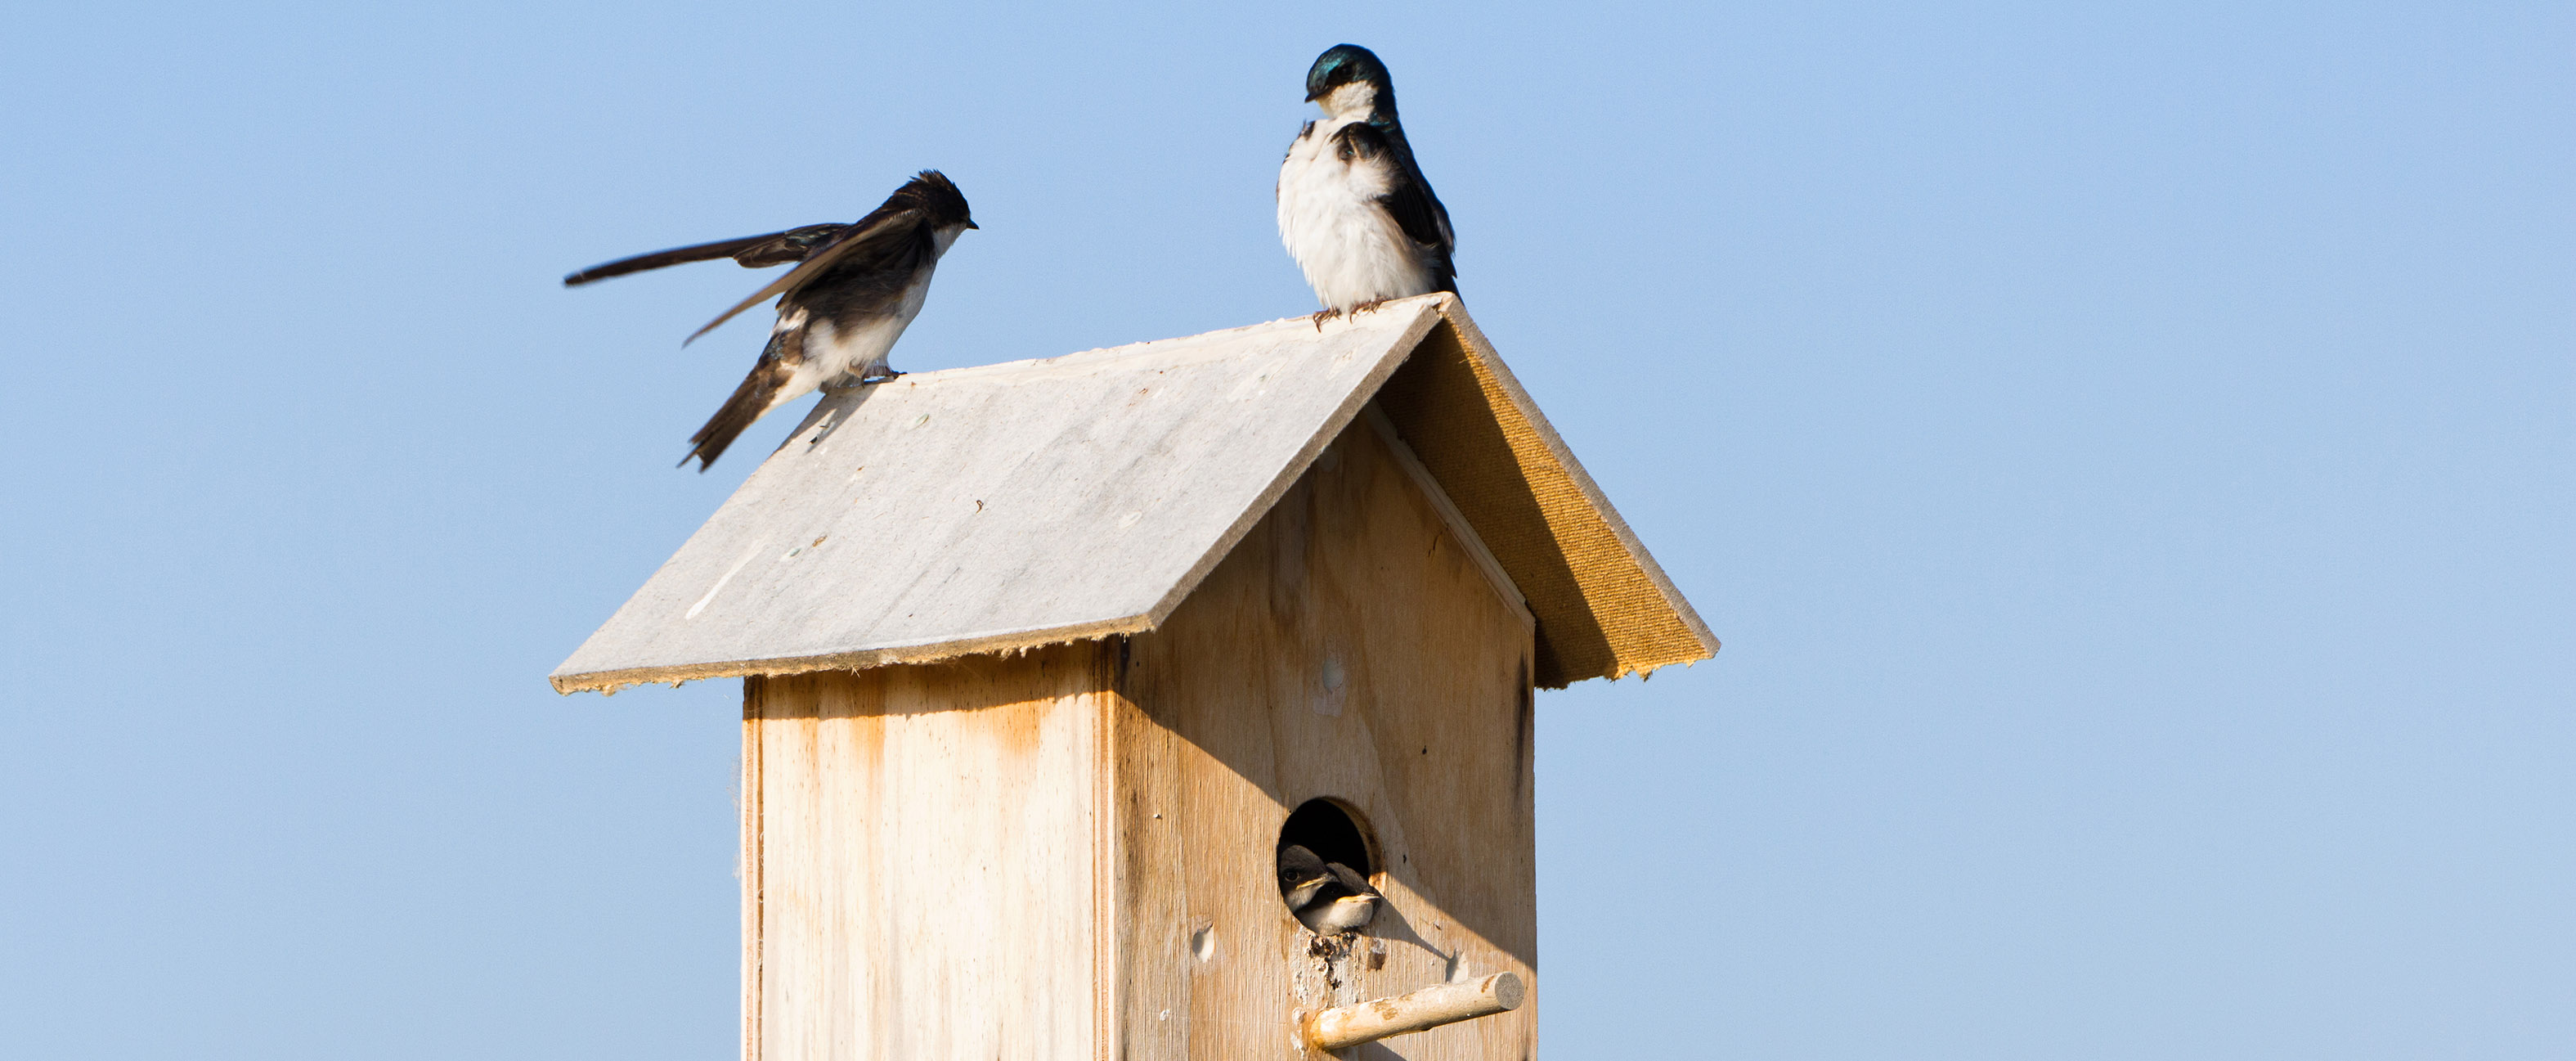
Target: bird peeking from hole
{"points": [[1327, 897]]}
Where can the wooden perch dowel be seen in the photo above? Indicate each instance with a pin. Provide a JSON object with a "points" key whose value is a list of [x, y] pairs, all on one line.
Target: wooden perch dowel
{"points": [[1430, 1007]]}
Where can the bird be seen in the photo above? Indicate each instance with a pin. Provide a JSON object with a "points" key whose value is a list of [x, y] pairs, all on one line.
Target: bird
{"points": [[1327, 897], [1354, 208], [856, 287]]}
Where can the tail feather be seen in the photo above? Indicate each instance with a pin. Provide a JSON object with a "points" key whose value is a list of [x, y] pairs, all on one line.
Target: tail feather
{"points": [[748, 403]]}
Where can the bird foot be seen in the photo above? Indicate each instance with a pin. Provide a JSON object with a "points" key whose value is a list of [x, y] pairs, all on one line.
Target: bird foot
{"points": [[1369, 306], [885, 373], [1325, 314]]}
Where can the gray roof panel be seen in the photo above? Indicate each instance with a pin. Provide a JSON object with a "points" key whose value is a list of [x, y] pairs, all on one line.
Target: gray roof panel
{"points": [[1001, 506]]}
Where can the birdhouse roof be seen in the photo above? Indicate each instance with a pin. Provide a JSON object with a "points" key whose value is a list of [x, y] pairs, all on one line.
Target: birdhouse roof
{"points": [[1009, 506]]}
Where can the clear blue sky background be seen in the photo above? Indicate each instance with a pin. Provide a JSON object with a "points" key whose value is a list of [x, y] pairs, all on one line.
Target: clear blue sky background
{"points": [[2129, 455]]}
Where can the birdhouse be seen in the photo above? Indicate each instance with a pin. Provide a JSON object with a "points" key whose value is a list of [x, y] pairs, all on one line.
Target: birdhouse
{"points": [[1046, 663]]}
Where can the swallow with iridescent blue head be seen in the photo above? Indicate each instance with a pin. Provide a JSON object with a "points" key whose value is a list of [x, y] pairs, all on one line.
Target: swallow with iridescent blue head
{"points": [[854, 290], [1354, 209]]}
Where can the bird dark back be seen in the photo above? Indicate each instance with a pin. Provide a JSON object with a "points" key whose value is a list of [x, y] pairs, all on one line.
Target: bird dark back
{"points": [[1413, 205], [864, 283]]}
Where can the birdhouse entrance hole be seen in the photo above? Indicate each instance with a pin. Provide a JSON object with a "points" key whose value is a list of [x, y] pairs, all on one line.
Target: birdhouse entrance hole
{"points": [[1330, 830]]}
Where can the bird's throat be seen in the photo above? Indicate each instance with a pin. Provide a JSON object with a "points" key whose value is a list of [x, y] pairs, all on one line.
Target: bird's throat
{"points": [[1354, 100]]}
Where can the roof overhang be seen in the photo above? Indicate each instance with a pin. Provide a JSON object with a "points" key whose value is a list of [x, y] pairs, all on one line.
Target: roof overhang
{"points": [[1006, 507]]}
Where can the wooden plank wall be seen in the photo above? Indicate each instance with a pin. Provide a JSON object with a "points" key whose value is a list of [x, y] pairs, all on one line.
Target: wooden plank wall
{"points": [[920, 853], [1349, 647], [1069, 853]]}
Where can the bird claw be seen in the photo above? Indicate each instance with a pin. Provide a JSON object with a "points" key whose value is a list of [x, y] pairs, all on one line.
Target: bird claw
{"points": [[1325, 314], [1369, 306]]}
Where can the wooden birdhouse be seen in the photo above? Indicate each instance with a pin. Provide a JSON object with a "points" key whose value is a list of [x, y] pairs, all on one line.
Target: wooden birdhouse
{"points": [[1046, 662]]}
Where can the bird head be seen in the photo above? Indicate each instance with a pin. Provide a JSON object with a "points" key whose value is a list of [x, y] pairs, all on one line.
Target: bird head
{"points": [[1301, 875], [1348, 79], [938, 199]]}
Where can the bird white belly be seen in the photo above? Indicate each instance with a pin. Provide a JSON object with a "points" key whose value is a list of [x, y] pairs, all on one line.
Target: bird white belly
{"points": [[1329, 217], [831, 352]]}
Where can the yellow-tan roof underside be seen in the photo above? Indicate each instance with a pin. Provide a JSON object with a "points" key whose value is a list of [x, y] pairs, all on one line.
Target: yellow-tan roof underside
{"points": [[1604, 608]]}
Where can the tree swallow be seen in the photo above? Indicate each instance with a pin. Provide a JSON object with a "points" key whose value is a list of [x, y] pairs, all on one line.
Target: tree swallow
{"points": [[1354, 210], [1327, 897], [855, 289]]}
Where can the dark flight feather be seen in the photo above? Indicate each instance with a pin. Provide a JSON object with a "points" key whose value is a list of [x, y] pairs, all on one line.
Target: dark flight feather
{"points": [[894, 232], [753, 252], [777, 363], [878, 227], [1416, 210]]}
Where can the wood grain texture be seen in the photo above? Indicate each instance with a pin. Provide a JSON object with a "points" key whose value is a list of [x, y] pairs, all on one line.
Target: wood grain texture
{"points": [[1005, 507], [751, 868], [999, 507], [1069, 853], [1459, 528], [923, 864], [1350, 647]]}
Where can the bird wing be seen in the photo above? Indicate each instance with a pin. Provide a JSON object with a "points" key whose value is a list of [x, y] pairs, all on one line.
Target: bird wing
{"points": [[1410, 202], [872, 232], [754, 252]]}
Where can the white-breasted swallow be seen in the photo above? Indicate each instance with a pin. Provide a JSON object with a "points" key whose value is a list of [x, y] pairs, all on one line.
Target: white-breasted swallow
{"points": [[1354, 209]]}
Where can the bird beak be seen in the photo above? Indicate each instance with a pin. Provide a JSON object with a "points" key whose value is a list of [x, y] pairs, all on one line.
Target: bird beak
{"points": [[971, 224], [1310, 97]]}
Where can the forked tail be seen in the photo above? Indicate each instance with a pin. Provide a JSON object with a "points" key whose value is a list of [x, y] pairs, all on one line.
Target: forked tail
{"points": [[749, 401]]}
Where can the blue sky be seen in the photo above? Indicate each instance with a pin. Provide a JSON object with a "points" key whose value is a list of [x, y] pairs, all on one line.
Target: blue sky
{"points": [[2128, 455]]}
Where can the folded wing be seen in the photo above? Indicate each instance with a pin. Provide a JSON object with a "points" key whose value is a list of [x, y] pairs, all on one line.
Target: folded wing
{"points": [[1409, 201]]}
